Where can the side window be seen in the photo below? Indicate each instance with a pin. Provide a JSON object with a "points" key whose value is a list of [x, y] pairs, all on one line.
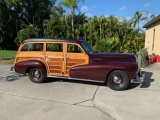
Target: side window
{"points": [[71, 48], [54, 47], [32, 47]]}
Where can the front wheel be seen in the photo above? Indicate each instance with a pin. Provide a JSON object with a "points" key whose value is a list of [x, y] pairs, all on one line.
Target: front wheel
{"points": [[37, 75], [118, 80]]}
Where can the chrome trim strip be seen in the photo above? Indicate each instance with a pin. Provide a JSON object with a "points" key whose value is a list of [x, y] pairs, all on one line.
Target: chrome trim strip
{"points": [[57, 77], [77, 79], [88, 80]]}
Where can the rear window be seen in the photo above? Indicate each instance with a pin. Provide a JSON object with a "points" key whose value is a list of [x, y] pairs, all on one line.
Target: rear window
{"points": [[32, 47]]}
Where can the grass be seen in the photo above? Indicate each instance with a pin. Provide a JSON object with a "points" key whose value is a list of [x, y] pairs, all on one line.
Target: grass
{"points": [[7, 56]]}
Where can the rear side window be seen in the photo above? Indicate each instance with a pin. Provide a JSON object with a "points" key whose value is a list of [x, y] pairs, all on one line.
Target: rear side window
{"points": [[32, 47], [54, 47]]}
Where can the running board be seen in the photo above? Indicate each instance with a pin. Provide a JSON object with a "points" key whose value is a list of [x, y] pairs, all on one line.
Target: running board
{"points": [[77, 79]]}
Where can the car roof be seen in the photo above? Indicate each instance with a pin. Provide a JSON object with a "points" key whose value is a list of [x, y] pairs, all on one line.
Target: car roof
{"points": [[51, 40]]}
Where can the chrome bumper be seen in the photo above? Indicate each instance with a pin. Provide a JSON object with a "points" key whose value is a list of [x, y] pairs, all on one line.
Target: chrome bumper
{"points": [[139, 77], [12, 69]]}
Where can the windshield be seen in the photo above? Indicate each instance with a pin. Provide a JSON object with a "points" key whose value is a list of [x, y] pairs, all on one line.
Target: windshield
{"points": [[87, 47]]}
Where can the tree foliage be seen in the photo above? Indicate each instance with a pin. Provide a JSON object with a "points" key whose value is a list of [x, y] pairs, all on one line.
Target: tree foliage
{"points": [[106, 45], [30, 31], [16, 13], [23, 19]]}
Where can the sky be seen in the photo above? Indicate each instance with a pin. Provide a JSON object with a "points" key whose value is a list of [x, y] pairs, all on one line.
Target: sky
{"points": [[118, 8]]}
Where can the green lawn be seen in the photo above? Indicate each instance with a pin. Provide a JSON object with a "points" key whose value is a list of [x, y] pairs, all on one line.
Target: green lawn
{"points": [[7, 54]]}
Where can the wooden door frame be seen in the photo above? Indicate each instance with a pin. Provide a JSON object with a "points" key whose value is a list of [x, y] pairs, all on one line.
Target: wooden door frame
{"points": [[45, 55], [65, 56]]}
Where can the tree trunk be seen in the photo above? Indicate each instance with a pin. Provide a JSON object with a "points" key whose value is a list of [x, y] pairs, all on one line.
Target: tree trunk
{"points": [[72, 22], [100, 31], [32, 12], [66, 20]]}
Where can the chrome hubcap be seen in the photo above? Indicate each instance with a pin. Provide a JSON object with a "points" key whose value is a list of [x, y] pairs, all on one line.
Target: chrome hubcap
{"points": [[117, 80], [36, 74]]}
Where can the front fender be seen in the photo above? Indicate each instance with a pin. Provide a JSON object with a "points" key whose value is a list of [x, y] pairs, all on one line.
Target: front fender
{"points": [[100, 71], [130, 68], [23, 66]]}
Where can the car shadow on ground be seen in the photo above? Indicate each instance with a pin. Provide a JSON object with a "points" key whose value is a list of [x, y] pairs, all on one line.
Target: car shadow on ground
{"points": [[145, 84], [11, 77]]}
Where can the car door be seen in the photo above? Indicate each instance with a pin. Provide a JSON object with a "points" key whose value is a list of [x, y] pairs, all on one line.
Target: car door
{"points": [[74, 56], [55, 58]]}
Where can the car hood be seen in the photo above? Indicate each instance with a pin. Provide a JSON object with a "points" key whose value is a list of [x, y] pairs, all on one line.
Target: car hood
{"points": [[112, 57]]}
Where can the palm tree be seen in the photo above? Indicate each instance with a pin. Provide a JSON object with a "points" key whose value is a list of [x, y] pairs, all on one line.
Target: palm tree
{"points": [[100, 23], [138, 17], [72, 5], [112, 24], [123, 31], [89, 28]]}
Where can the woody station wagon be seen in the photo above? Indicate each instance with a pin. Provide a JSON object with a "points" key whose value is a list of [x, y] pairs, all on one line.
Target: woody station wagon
{"points": [[75, 59]]}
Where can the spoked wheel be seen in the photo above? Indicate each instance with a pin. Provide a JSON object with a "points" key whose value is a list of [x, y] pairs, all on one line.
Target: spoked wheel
{"points": [[118, 80], [37, 75]]}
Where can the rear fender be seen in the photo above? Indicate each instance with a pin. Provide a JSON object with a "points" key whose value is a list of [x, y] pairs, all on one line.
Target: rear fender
{"points": [[24, 67]]}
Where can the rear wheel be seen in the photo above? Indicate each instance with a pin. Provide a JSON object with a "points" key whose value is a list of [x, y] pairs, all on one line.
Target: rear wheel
{"points": [[37, 75], [118, 80]]}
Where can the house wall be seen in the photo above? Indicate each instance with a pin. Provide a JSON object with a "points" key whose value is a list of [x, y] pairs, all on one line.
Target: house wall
{"points": [[152, 39]]}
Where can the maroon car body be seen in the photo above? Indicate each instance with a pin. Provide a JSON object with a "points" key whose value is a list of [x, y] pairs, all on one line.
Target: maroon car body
{"points": [[101, 65]]}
